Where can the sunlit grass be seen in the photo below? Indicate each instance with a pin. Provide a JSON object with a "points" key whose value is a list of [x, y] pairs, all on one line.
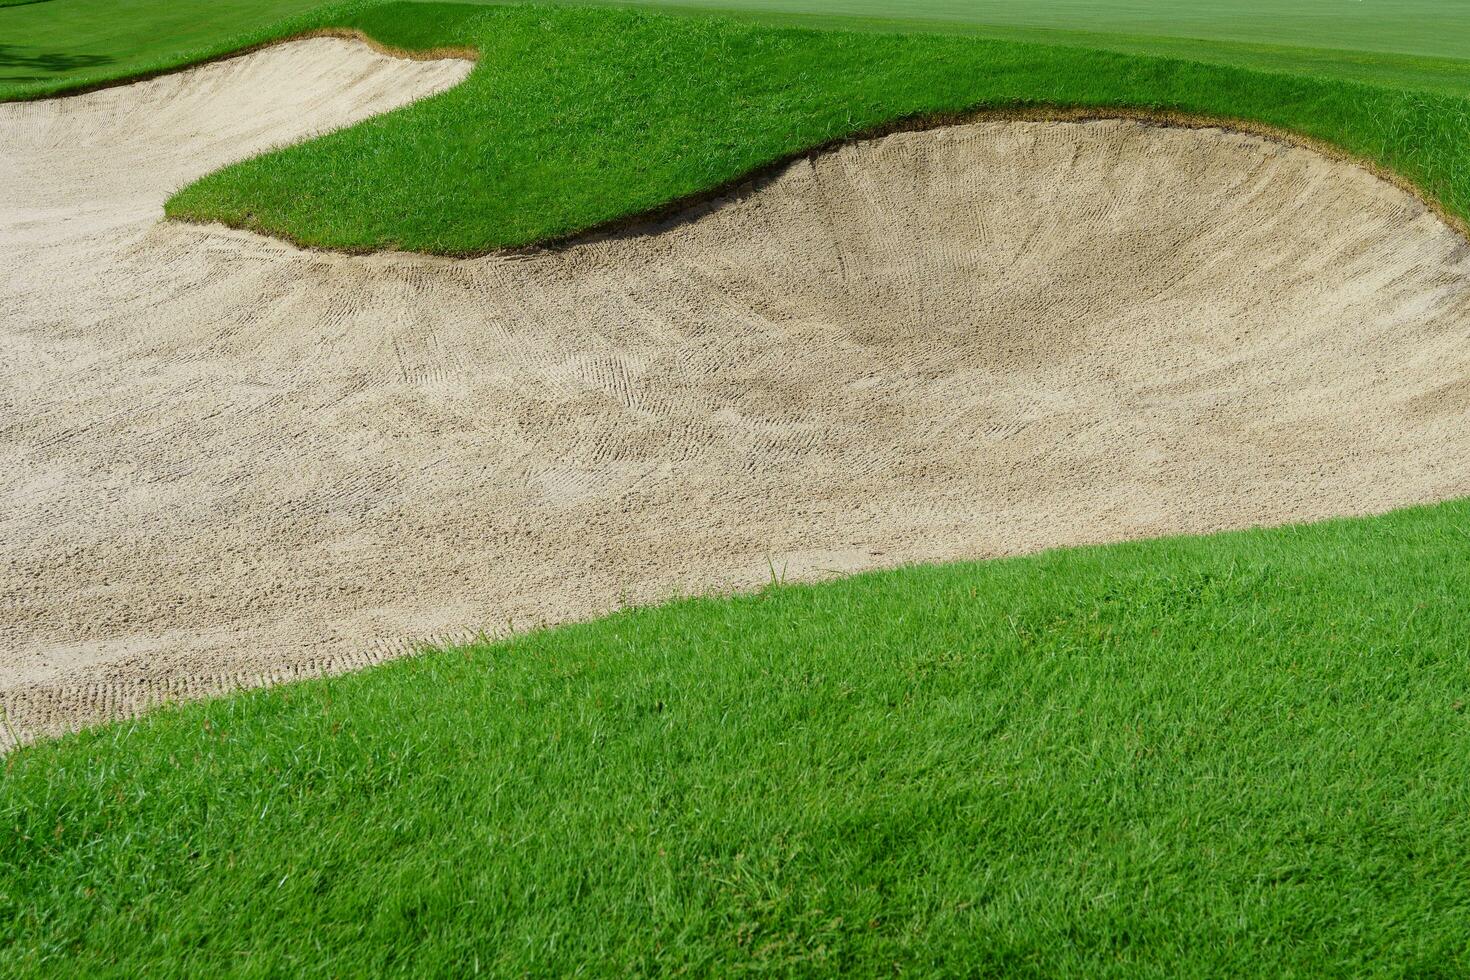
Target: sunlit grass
{"points": [[1245, 754], [576, 117], [1240, 755]]}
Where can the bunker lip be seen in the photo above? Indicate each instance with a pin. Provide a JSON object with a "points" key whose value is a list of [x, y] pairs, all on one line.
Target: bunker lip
{"points": [[689, 207], [231, 462]]}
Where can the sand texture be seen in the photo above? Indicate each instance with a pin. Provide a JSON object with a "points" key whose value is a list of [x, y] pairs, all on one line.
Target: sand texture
{"points": [[226, 461]]}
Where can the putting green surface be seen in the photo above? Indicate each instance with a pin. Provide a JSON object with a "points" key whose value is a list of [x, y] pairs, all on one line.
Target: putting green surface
{"points": [[1419, 27], [1243, 755], [1394, 69]]}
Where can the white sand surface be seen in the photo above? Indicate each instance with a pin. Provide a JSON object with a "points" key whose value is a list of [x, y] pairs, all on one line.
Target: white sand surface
{"points": [[226, 461]]}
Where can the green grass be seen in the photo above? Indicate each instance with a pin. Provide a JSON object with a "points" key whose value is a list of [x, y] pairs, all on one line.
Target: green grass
{"points": [[1241, 755], [1244, 754], [1438, 28], [61, 44], [579, 117], [1392, 69]]}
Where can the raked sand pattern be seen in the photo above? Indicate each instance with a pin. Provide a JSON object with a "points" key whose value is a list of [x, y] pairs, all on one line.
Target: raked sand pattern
{"points": [[226, 461]]}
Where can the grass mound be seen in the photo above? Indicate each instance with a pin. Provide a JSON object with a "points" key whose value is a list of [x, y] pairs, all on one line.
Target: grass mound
{"points": [[1247, 754], [576, 118]]}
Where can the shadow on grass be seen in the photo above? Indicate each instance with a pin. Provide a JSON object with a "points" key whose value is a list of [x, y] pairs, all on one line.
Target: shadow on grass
{"points": [[44, 65]]}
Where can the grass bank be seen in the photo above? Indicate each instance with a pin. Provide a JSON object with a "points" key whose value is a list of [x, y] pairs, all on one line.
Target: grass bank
{"points": [[576, 118], [1247, 754]]}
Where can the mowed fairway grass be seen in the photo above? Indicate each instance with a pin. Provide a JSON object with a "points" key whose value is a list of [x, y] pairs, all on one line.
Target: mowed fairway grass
{"points": [[1422, 27], [1244, 754]]}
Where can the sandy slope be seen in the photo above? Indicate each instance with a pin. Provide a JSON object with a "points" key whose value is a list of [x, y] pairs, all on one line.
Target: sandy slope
{"points": [[225, 461]]}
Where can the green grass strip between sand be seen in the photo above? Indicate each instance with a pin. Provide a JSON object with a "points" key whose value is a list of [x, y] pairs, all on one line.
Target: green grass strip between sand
{"points": [[578, 117]]}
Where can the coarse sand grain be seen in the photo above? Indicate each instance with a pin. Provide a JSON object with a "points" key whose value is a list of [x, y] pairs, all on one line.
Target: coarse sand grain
{"points": [[226, 461]]}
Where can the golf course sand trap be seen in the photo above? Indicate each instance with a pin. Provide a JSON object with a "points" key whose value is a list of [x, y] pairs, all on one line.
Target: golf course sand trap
{"points": [[225, 461]]}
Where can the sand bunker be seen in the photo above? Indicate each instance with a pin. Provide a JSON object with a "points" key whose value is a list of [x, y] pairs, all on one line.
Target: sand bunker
{"points": [[225, 461]]}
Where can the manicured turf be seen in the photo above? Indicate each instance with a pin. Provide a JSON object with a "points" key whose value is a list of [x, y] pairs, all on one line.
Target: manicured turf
{"points": [[1243, 755], [59, 44], [1410, 43], [624, 113], [578, 117], [1410, 71], [1425, 27]]}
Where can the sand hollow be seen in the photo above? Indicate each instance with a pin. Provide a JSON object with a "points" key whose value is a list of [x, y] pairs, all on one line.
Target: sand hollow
{"points": [[226, 461]]}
